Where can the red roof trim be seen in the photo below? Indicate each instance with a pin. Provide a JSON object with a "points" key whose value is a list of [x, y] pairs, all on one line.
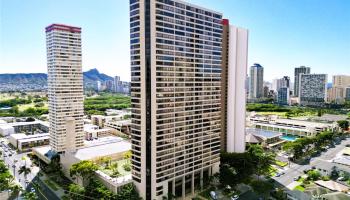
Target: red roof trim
{"points": [[63, 27], [225, 22]]}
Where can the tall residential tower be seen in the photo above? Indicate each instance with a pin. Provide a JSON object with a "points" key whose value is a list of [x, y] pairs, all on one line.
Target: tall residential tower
{"points": [[297, 72], [233, 89], [256, 86], [312, 89], [65, 87], [175, 96]]}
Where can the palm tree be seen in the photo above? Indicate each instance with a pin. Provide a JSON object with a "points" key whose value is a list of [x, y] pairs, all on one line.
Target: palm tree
{"points": [[16, 189], [24, 170]]}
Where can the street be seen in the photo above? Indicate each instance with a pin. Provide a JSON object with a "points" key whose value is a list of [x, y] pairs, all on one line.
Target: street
{"points": [[15, 161]]}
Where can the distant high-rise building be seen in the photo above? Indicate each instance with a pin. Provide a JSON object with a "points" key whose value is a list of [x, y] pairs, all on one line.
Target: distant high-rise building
{"points": [[117, 85], [337, 93], [297, 72], [283, 97], [256, 89], [233, 90], [175, 96], [312, 89], [347, 94], [65, 87], [266, 91], [284, 82], [110, 85], [99, 86]]}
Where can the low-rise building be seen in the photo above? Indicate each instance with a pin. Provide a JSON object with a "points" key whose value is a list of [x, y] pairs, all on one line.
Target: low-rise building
{"points": [[24, 142], [6, 130], [298, 128], [121, 126]]}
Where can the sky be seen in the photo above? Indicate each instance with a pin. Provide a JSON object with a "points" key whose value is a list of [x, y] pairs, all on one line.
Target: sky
{"points": [[283, 34]]}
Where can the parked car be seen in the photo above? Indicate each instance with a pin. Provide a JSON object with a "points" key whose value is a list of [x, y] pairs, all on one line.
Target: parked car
{"points": [[234, 197], [213, 195], [296, 178], [341, 178]]}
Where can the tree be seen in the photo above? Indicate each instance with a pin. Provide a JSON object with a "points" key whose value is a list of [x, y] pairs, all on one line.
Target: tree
{"points": [[262, 160], [30, 196], [344, 124], [129, 192], [313, 175], [24, 170], [76, 191], [16, 189], [95, 189], [84, 169], [261, 187]]}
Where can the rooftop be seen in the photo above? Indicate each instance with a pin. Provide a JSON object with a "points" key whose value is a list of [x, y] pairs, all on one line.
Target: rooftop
{"points": [[332, 185], [263, 133], [103, 149]]}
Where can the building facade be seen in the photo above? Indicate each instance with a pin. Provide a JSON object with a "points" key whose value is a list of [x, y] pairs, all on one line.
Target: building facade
{"points": [[65, 87], [256, 85], [175, 96], [337, 93], [233, 90], [283, 97], [297, 72], [312, 89]]}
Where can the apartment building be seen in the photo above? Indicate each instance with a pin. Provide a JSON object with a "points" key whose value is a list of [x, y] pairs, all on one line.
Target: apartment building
{"points": [[175, 96], [233, 90], [65, 87], [338, 92], [312, 89], [297, 72]]}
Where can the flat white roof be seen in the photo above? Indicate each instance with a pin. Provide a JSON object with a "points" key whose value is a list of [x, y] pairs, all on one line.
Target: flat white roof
{"points": [[105, 149], [23, 137], [26, 123], [305, 123]]}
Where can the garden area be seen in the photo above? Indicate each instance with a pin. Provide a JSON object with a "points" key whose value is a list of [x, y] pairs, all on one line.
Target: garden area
{"points": [[293, 111], [23, 106], [99, 104], [117, 168]]}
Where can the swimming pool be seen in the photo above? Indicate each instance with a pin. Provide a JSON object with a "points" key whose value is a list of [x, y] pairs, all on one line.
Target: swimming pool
{"points": [[289, 137]]}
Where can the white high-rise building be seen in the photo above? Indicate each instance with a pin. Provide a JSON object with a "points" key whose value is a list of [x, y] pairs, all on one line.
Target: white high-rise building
{"points": [[175, 96], [65, 87], [233, 89]]}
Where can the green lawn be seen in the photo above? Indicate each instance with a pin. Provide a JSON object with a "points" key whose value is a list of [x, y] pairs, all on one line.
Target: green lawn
{"points": [[300, 188], [23, 107], [281, 164]]}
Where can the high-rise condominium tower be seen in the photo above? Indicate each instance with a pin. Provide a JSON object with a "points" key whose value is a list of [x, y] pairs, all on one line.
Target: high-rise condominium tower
{"points": [[65, 87], [233, 90], [312, 89], [256, 86], [175, 96], [297, 72], [337, 93]]}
